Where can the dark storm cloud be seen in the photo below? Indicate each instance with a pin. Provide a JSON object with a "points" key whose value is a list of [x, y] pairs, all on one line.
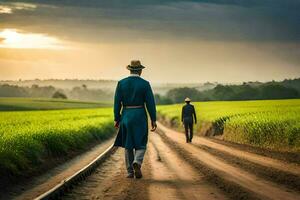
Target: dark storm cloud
{"points": [[247, 20], [134, 3]]}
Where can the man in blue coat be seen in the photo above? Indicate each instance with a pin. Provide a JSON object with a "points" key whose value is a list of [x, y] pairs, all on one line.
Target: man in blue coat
{"points": [[133, 95]]}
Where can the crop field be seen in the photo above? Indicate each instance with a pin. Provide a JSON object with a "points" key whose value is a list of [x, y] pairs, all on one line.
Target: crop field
{"points": [[12, 104], [273, 124], [27, 138]]}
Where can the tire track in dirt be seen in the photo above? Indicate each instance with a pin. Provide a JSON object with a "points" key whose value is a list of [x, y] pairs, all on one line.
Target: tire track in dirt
{"points": [[245, 182], [291, 181], [285, 157], [289, 168], [173, 178], [165, 176], [109, 182], [102, 183]]}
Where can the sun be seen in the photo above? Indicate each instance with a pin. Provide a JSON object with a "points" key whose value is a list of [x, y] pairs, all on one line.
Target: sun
{"points": [[10, 36], [13, 38]]}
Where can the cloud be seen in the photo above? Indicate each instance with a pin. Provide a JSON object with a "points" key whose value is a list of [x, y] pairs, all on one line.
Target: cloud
{"points": [[136, 3], [5, 10], [23, 6], [11, 38], [123, 20], [9, 8]]}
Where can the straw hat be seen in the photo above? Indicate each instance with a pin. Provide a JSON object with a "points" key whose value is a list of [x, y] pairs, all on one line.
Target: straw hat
{"points": [[187, 99], [135, 65]]}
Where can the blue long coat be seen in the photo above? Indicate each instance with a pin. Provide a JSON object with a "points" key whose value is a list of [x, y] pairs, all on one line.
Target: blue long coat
{"points": [[133, 131]]}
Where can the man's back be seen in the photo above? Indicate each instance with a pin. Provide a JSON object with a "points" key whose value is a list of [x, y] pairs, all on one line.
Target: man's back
{"points": [[133, 90], [188, 111]]}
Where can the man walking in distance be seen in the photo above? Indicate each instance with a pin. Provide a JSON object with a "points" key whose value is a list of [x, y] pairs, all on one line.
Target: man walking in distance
{"points": [[188, 115], [132, 95]]}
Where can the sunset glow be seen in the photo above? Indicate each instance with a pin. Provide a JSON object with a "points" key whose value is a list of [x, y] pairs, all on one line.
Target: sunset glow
{"points": [[186, 41], [5, 10], [12, 38]]}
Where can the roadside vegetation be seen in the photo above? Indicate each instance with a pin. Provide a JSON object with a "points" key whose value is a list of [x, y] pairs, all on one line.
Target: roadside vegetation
{"points": [[29, 138], [14, 104], [273, 124]]}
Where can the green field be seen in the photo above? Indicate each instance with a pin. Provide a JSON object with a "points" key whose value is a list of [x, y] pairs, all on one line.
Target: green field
{"points": [[28, 138], [12, 104], [273, 124]]}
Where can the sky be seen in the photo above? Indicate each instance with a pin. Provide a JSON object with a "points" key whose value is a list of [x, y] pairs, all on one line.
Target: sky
{"points": [[177, 41]]}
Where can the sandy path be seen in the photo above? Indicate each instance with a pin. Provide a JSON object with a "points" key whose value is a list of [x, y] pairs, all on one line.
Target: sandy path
{"points": [[107, 182], [262, 160], [262, 188], [165, 176], [173, 178]]}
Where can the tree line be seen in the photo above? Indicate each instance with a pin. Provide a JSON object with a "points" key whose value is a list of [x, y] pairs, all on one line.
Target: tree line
{"points": [[36, 91], [287, 89]]}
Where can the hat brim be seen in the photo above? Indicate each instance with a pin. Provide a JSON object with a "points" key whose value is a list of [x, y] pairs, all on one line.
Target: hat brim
{"points": [[131, 68]]}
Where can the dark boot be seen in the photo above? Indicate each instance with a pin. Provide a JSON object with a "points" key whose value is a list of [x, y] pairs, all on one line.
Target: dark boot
{"points": [[131, 175], [137, 170]]}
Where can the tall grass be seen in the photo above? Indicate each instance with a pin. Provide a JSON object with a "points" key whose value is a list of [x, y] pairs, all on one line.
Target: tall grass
{"points": [[13, 104], [271, 124], [28, 137]]}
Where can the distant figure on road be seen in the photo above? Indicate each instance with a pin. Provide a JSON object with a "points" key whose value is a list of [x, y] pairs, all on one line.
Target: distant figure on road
{"points": [[132, 95], [188, 115]]}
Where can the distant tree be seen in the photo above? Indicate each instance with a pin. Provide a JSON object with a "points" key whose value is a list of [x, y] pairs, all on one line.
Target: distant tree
{"points": [[12, 91], [34, 86], [90, 94], [245, 92], [37, 91], [222, 92], [59, 95], [84, 86], [162, 100], [208, 86], [178, 95], [275, 91], [292, 83]]}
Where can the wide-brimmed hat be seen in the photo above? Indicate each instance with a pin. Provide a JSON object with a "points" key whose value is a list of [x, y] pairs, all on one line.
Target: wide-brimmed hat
{"points": [[187, 99], [135, 65]]}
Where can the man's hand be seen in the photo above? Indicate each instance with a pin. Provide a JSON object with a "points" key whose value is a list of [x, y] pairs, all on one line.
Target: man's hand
{"points": [[117, 124], [154, 126]]}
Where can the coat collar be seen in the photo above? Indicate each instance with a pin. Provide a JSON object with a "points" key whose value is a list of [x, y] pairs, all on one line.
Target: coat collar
{"points": [[134, 75]]}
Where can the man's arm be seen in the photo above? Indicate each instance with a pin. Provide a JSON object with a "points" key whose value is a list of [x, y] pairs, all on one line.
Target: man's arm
{"points": [[117, 106], [150, 104], [195, 116]]}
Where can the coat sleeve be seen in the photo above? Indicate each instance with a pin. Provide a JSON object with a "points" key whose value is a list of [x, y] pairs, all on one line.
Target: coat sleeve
{"points": [[117, 104], [150, 103], [194, 113]]}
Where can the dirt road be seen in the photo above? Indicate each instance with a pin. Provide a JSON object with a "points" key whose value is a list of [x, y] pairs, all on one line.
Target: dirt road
{"points": [[204, 169]]}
